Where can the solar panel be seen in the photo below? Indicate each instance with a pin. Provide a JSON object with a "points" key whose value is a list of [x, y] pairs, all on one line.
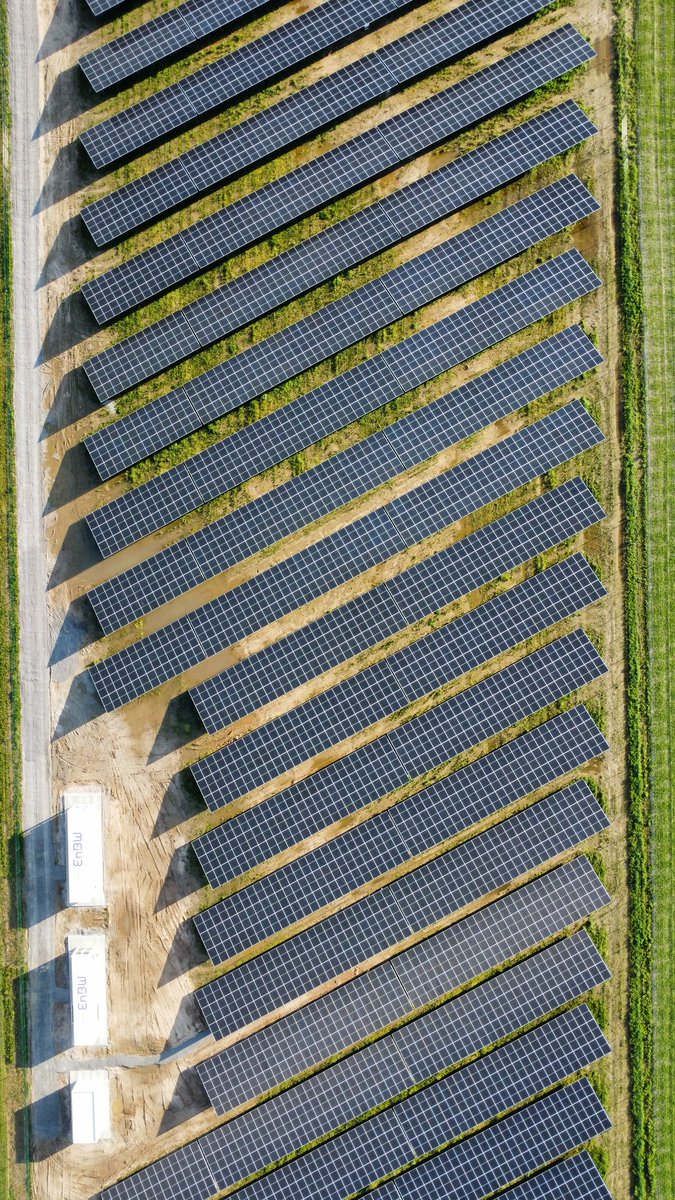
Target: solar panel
{"points": [[338, 480], [352, 1086], [317, 647], [507, 1150], [370, 307], [99, 7], [575, 1178], [470, 1023], [444, 1111], [253, 63], [356, 625], [338, 867], [481, 556], [389, 686], [350, 241], [343, 399], [525, 764], [256, 62], [347, 166], [432, 892], [445, 962]]}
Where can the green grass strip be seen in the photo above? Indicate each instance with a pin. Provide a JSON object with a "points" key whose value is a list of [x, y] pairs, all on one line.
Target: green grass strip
{"points": [[655, 99], [640, 1020], [13, 1024]]}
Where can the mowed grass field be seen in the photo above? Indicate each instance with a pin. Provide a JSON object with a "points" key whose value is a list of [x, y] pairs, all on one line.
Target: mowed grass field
{"points": [[656, 115]]}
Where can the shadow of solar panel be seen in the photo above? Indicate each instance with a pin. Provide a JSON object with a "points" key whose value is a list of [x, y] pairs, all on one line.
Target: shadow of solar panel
{"points": [[440, 1113], [445, 962], [359, 391], [508, 1150], [277, 901], [362, 158], [477, 558], [350, 241], [370, 307], [363, 621], [338, 480], [433, 892], [307, 652], [320, 800]]}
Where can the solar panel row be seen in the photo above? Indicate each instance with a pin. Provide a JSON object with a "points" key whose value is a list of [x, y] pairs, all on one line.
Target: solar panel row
{"points": [[343, 478], [395, 294], [254, 63], [383, 610], [345, 167], [324, 410], [508, 1150], [338, 635], [338, 867], [443, 1112], [351, 1087], [484, 555], [431, 893], [321, 800], [392, 990], [350, 241]]}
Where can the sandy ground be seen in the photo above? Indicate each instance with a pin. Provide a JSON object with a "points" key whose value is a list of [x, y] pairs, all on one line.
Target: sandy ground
{"points": [[138, 756]]}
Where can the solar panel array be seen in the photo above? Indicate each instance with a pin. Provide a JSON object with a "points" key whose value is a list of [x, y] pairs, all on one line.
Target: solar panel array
{"points": [[484, 553], [349, 241], [263, 984], [339, 480], [397, 293], [392, 990], [435, 1041], [321, 800], [291, 1053], [252, 64], [340, 866], [347, 166], [386, 688], [353, 935], [383, 610], [340, 401], [175, 492], [508, 1150], [440, 1113], [338, 635], [431, 893]]}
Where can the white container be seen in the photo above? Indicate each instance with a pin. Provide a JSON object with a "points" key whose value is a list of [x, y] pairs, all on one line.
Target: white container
{"points": [[84, 849], [89, 1106], [88, 988]]}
